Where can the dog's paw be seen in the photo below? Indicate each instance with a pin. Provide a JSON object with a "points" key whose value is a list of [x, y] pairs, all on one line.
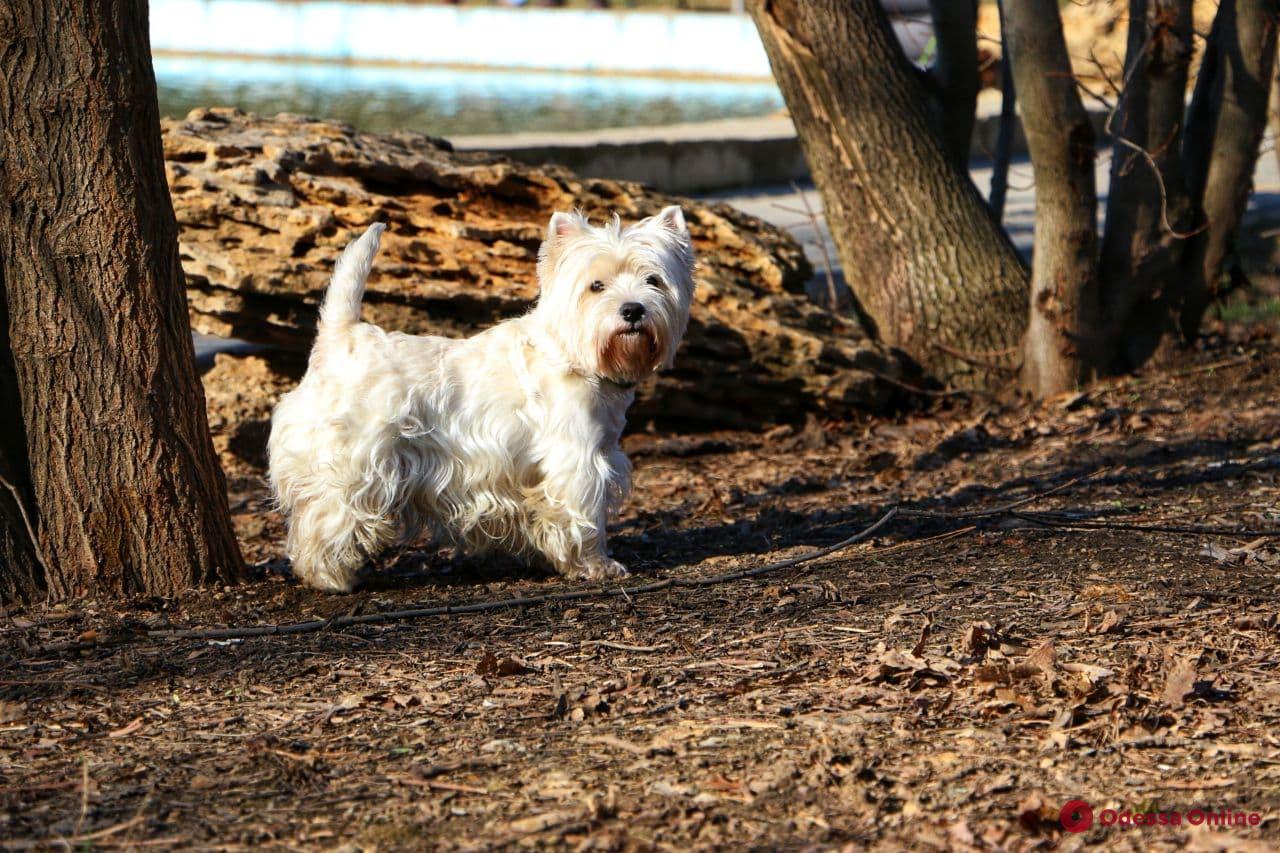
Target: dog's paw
{"points": [[333, 581], [597, 569]]}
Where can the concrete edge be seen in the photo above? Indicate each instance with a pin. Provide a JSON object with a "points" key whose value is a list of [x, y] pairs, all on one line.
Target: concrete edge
{"points": [[706, 157]]}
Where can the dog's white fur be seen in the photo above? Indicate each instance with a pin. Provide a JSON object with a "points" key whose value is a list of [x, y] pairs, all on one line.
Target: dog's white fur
{"points": [[508, 439]]}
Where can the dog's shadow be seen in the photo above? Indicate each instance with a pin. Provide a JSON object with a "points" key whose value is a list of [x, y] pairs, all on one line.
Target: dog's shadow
{"points": [[425, 564], [651, 546]]}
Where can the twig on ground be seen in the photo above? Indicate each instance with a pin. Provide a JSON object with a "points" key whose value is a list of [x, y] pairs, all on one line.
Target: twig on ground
{"points": [[1057, 521], [921, 543], [1005, 508], [1138, 381], [84, 795], [314, 625], [928, 392], [1012, 509]]}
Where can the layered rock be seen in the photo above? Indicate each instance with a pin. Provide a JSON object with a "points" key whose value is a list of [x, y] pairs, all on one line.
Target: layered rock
{"points": [[265, 205]]}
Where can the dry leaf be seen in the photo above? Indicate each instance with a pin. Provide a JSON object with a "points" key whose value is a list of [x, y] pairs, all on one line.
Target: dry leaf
{"points": [[1036, 813], [490, 665], [925, 630], [977, 639], [127, 730], [1110, 622], [1180, 683], [539, 822], [1044, 658]]}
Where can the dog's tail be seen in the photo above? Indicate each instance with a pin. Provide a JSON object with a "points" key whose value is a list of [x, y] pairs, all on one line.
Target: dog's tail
{"points": [[341, 308]]}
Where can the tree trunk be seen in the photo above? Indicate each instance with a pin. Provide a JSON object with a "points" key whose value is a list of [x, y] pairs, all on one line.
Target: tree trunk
{"points": [[1224, 131], [105, 435], [1060, 350], [1008, 124], [1147, 207], [1274, 117], [932, 270], [955, 73]]}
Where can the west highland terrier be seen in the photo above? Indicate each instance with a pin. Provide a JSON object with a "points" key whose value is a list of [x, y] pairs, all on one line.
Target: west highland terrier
{"points": [[506, 440]]}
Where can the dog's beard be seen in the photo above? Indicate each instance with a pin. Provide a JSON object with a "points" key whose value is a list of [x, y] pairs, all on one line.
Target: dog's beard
{"points": [[630, 354]]}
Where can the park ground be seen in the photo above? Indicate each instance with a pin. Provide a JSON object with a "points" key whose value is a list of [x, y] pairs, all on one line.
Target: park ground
{"points": [[950, 682]]}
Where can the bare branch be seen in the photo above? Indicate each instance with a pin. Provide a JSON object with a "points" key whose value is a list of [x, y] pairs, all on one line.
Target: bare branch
{"points": [[827, 266]]}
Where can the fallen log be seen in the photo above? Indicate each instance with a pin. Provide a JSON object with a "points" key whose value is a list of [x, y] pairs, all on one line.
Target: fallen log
{"points": [[265, 205]]}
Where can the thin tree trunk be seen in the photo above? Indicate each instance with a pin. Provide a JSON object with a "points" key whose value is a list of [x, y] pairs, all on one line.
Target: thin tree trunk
{"points": [[1274, 117], [1060, 350], [955, 73], [21, 575], [1008, 124], [1224, 132], [927, 263], [1147, 206], [121, 486]]}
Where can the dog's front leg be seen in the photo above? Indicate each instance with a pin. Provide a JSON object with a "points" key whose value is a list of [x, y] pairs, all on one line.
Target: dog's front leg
{"points": [[570, 518]]}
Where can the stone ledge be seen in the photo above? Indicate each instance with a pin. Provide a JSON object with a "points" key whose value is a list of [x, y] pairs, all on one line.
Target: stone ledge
{"points": [[704, 157]]}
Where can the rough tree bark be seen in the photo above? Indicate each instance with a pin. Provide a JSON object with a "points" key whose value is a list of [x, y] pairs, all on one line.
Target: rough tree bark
{"points": [[1060, 350], [955, 75], [930, 268], [1147, 206], [1225, 125], [104, 432]]}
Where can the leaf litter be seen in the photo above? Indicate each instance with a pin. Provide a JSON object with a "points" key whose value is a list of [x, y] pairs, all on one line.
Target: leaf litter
{"points": [[949, 684]]}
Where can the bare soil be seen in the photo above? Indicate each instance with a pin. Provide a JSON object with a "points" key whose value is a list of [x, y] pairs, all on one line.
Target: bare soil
{"points": [[949, 684]]}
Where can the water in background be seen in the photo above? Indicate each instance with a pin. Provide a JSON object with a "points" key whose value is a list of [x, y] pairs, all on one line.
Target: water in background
{"points": [[452, 103]]}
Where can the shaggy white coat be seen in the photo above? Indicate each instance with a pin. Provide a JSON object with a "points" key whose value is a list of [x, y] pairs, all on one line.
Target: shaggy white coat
{"points": [[506, 440]]}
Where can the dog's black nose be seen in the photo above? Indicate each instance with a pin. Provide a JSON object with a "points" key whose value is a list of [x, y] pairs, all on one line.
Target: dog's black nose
{"points": [[632, 312]]}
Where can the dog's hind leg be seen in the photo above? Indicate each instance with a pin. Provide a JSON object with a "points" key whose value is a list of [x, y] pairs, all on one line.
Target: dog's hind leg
{"points": [[327, 545]]}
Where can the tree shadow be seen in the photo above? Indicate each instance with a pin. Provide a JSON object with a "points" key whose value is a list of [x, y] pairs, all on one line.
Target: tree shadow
{"points": [[1144, 473], [651, 544]]}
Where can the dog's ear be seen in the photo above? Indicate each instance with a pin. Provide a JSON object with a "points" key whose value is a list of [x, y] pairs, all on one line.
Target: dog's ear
{"points": [[564, 225], [672, 219]]}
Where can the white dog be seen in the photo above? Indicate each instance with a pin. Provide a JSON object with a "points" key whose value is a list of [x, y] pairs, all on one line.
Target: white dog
{"points": [[506, 440]]}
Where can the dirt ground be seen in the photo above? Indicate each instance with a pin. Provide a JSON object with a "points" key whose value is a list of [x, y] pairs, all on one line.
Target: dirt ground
{"points": [[949, 683]]}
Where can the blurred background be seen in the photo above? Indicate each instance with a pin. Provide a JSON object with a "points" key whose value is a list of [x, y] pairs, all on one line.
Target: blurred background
{"points": [[475, 68]]}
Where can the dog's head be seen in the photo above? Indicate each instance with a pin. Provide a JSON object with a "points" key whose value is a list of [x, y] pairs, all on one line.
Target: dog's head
{"points": [[616, 299]]}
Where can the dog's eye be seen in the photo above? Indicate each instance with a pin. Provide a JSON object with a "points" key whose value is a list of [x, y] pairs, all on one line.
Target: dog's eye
{"points": [[654, 281], [597, 286]]}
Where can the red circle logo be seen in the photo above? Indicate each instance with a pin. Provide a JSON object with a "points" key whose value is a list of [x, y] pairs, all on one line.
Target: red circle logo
{"points": [[1076, 816]]}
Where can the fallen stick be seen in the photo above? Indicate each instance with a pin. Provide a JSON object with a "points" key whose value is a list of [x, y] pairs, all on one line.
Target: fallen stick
{"points": [[1004, 508], [314, 625], [1010, 510], [1058, 522]]}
